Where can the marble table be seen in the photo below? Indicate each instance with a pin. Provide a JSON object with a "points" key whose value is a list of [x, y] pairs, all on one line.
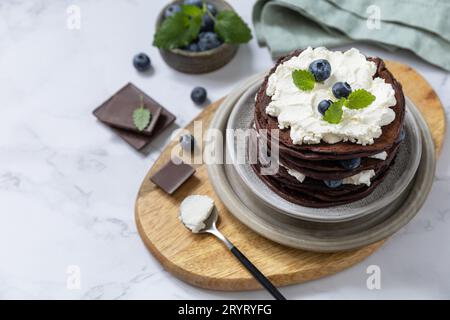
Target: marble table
{"points": [[68, 184]]}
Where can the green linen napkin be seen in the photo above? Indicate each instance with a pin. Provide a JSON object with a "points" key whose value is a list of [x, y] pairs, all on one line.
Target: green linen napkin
{"points": [[422, 26]]}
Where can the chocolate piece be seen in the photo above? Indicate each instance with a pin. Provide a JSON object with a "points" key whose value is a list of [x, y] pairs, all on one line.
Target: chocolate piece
{"points": [[172, 176], [139, 141], [117, 112]]}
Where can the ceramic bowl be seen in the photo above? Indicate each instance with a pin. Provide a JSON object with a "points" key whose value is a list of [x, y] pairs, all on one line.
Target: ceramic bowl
{"points": [[198, 62]]}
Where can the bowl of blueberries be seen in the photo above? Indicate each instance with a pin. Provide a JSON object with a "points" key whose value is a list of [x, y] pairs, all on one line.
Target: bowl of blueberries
{"points": [[199, 36]]}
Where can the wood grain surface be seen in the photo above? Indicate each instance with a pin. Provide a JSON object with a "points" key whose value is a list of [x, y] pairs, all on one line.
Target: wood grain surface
{"points": [[203, 261]]}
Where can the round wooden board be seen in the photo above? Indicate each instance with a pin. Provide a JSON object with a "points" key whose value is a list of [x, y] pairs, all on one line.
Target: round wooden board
{"points": [[203, 261]]}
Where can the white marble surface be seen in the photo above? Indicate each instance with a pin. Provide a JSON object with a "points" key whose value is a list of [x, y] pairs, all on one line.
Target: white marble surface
{"points": [[68, 184]]}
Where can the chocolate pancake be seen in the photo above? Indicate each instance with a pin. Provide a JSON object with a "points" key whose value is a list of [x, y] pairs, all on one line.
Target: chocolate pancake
{"points": [[313, 183], [329, 165], [340, 172], [340, 150], [314, 193]]}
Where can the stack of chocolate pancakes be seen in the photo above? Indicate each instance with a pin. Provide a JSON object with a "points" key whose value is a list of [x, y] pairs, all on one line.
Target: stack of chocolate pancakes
{"points": [[322, 164]]}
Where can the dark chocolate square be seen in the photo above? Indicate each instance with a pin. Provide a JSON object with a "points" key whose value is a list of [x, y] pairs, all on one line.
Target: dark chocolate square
{"points": [[118, 110], [172, 176], [117, 113]]}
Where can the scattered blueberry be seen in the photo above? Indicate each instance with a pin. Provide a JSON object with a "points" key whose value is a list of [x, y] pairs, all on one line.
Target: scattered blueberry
{"points": [[170, 11], [333, 183], [187, 142], [402, 135], [324, 105], [142, 62], [351, 163], [208, 41], [198, 95], [198, 3], [341, 90], [192, 47], [212, 9], [207, 23], [321, 69]]}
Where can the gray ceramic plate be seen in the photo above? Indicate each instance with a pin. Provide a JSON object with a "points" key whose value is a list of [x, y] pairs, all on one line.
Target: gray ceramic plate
{"points": [[316, 236], [399, 177]]}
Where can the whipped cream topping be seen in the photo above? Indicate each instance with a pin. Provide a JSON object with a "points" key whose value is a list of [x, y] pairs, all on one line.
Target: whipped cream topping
{"points": [[296, 174], [364, 177], [380, 156], [297, 109]]}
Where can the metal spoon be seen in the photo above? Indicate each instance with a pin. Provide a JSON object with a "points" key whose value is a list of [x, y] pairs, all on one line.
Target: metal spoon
{"points": [[210, 227]]}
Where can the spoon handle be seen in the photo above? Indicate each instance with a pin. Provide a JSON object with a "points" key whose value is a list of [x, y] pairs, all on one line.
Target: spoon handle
{"points": [[257, 274]]}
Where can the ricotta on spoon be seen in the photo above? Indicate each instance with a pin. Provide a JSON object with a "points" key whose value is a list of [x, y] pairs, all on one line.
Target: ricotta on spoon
{"points": [[195, 210]]}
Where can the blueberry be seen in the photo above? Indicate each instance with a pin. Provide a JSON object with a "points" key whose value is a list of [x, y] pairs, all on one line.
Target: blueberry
{"points": [[402, 136], [198, 3], [187, 142], [142, 62], [212, 9], [207, 23], [198, 95], [208, 41], [324, 105], [192, 47], [170, 11], [333, 183], [321, 69], [341, 90], [351, 163]]}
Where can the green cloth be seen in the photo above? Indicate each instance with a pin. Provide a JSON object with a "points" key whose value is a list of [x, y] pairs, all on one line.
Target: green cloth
{"points": [[422, 26]]}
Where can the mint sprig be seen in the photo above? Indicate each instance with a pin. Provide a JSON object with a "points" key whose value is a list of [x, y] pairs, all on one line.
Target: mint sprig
{"points": [[191, 10], [183, 27], [141, 116], [179, 30], [231, 28], [359, 99], [334, 113], [304, 80]]}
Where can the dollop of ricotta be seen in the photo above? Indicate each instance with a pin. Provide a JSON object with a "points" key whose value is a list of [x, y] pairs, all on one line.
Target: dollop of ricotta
{"points": [[364, 177], [294, 173], [297, 109], [194, 210], [380, 156]]}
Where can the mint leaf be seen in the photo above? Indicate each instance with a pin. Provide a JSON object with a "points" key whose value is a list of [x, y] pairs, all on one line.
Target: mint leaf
{"points": [[359, 99], [192, 11], [231, 28], [334, 113], [177, 31], [141, 116], [304, 80]]}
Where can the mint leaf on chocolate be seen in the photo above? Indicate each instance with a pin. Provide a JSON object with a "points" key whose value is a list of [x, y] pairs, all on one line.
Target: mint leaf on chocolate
{"points": [[334, 113], [178, 30], [231, 28], [359, 99], [303, 79], [141, 116]]}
